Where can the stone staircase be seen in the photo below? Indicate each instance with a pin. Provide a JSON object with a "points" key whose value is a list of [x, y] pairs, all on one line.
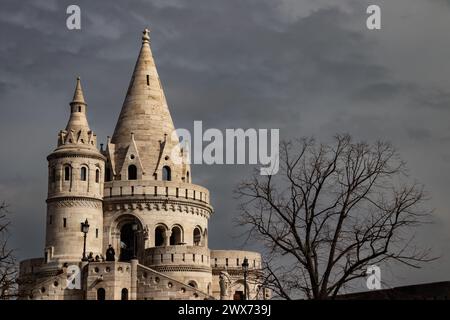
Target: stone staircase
{"points": [[158, 286]]}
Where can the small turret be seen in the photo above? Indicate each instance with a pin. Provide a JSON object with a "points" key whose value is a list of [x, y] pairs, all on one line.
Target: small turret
{"points": [[75, 188]]}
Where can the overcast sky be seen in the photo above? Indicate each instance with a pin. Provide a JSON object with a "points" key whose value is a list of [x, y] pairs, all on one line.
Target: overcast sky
{"points": [[307, 67]]}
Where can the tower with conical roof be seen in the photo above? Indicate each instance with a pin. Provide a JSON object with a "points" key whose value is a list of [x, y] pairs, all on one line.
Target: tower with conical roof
{"points": [[137, 198], [146, 189], [75, 189]]}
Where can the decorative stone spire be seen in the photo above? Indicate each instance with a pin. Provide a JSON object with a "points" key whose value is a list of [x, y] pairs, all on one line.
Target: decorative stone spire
{"points": [[78, 94], [78, 120], [146, 114], [77, 130]]}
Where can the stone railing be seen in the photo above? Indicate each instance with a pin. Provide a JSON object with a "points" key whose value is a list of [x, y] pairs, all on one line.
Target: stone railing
{"points": [[180, 255], [158, 286], [156, 189], [233, 259]]}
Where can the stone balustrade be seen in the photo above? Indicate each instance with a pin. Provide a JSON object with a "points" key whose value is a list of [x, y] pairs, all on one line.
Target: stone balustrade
{"points": [[156, 189]]}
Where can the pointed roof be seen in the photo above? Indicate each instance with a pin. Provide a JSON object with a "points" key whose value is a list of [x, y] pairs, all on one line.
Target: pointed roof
{"points": [[145, 114], [77, 137], [78, 96], [78, 120], [144, 108]]}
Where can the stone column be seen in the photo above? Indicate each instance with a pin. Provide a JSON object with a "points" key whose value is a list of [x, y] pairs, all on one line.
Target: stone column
{"points": [[167, 235], [133, 289]]}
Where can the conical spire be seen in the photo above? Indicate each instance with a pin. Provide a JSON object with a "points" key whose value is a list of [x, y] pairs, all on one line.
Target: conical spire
{"points": [[78, 94], [78, 120], [144, 114], [77, 133]]}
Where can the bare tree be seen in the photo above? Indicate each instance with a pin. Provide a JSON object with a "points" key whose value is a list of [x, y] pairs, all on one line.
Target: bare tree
{"points": [[8, 267], [333, 210]]}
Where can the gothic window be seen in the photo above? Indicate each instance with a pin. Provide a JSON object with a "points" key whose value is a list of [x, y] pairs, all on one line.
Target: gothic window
{"points": [[79, 109], [66, 173], [176, 236], [187, 177], [83, 174], [132, 172], [97, 176], [148, 80], [197, 237], [166, 174], [64, 222]]}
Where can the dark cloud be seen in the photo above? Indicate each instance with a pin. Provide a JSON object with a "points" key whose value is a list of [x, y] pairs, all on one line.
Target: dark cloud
{"points": [[306, 67]]}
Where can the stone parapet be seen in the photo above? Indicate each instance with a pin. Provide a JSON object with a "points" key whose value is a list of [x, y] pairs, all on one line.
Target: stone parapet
{"points": [[178, 255]]}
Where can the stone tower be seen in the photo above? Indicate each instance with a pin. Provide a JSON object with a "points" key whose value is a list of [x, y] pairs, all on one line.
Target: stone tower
{"points": [[144, 187], [139, 198], [75, 189]]}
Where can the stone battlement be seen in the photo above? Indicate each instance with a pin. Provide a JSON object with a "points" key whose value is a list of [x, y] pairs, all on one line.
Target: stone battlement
{"points": [[155, 188], [232, 259], [179, 255]]}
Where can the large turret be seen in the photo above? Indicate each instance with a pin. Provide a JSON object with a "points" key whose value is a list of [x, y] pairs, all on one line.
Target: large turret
{"points": [[146, 190]]}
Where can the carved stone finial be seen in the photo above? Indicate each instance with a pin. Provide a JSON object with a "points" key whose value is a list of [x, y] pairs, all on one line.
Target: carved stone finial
{"points": [[146, 36]]}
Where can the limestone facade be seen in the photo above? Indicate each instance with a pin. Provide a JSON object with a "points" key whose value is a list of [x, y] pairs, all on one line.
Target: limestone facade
{"points": [[137, 199]]}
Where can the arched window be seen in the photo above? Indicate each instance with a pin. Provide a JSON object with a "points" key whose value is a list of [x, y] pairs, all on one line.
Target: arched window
{"points": [[132, 172], [187, 177], [159, 236], [193, 284], [166, 174], [66, 173], [176, 236], [97, 176], [101, 294], [83, 174], [197, 236], [124, 295], [108, 174]]}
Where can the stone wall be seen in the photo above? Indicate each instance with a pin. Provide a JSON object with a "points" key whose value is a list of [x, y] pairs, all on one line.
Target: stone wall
{"points": [[153, 285], [112, 277]]}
